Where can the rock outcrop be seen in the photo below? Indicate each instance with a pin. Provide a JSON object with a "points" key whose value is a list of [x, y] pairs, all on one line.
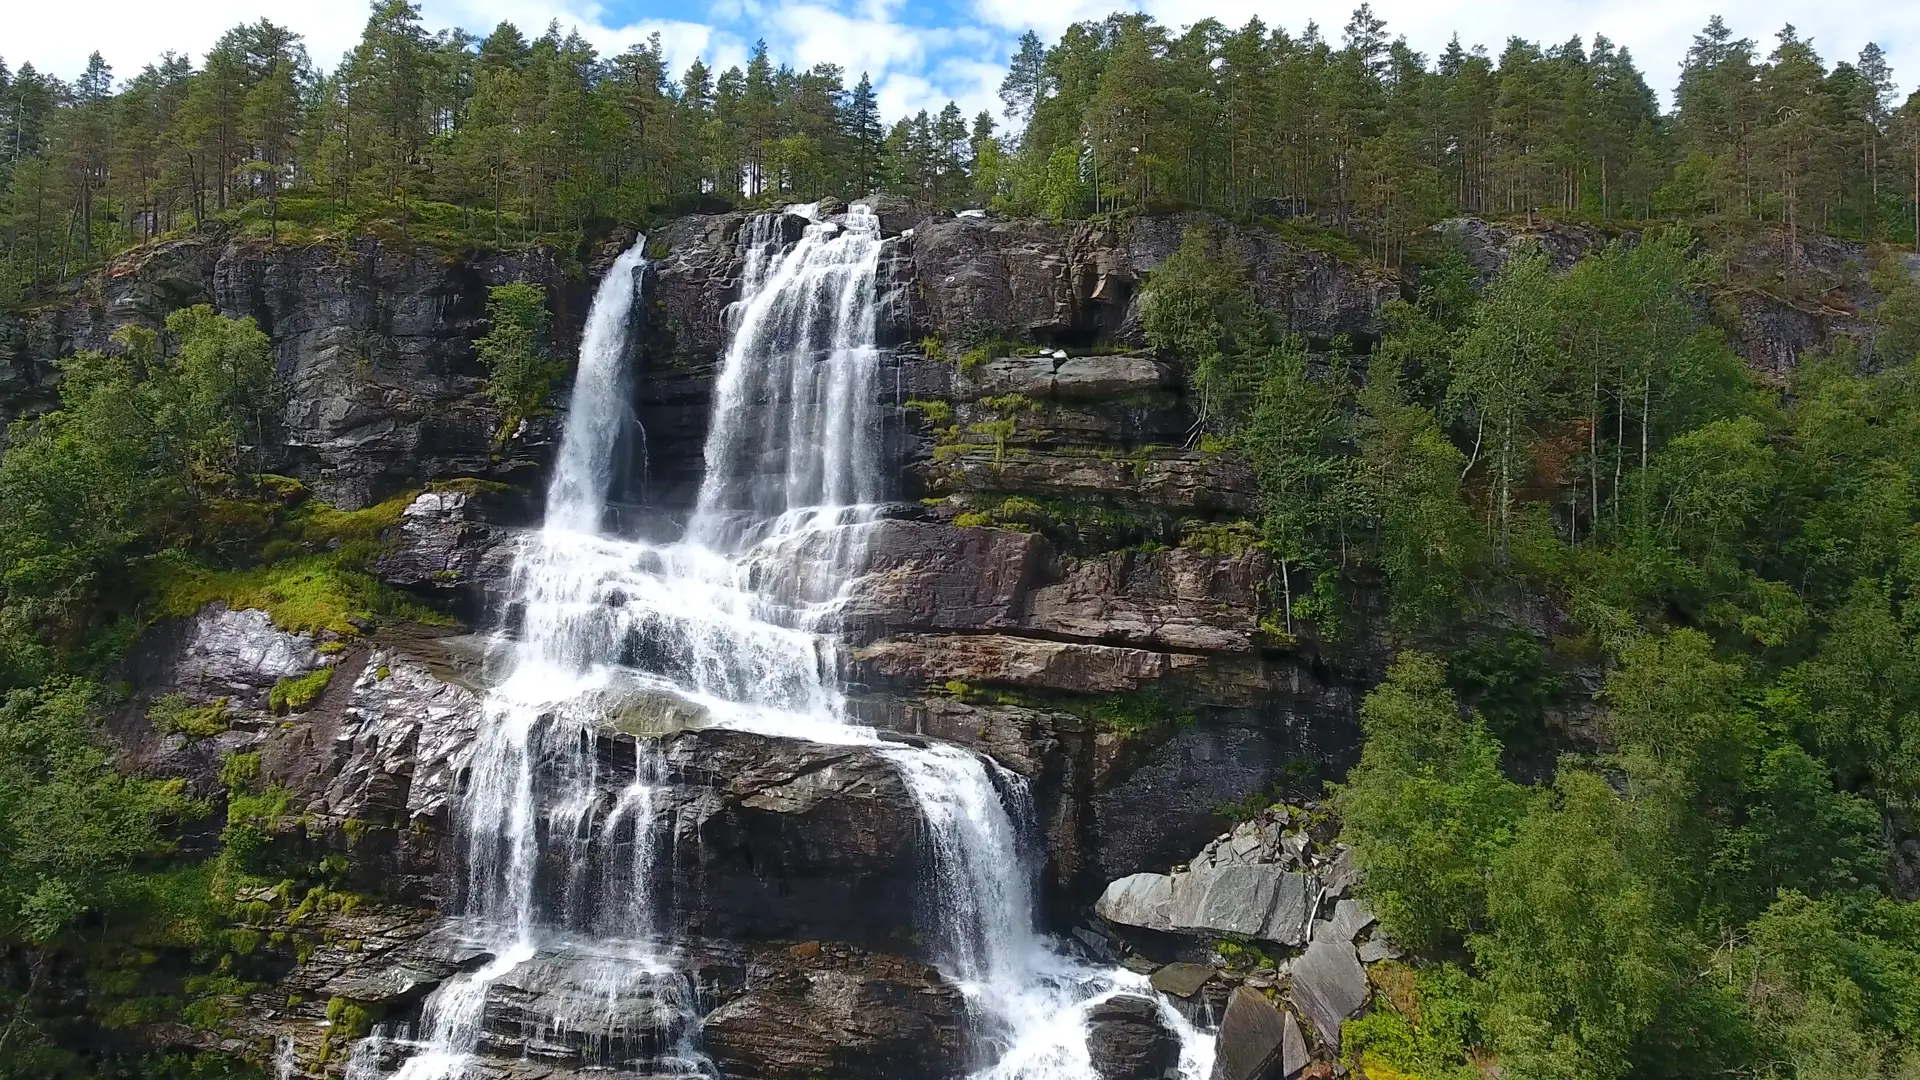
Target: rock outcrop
{"points": [[1266, 905], [1128, 1039], [372, 341], [1065, 582]]}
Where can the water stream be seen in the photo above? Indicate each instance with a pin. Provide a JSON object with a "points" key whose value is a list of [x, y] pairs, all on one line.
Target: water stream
{"points": [[730, 616]]}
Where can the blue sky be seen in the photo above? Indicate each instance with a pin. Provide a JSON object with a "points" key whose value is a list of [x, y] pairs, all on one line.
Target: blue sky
{"points": [[922, 54]]}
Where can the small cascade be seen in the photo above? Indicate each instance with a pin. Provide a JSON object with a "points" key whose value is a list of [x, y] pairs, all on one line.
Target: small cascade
{"points": [[730, 619], [285, 1064]]}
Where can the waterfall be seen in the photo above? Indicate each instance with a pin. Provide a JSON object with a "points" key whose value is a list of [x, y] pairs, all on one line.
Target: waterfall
{"points": [[728, 617]]}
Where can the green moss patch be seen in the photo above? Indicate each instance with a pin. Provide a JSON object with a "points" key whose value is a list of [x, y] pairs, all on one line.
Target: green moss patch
{"points": [[297, 694]]}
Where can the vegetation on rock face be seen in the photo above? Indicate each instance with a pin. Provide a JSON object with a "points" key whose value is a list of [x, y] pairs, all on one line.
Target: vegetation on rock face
{"points": [[139, 498], [296, 694], [1572, 474], [520, 374], [1555, 481]]}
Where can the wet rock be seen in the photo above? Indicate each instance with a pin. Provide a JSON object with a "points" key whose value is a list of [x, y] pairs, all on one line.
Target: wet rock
{"points": [[865, 1017], [1251, 1043], [579, 1008], [1142, 900], [1128, 1039], [239, 655], [443, 545], [1182, 979], [783, 838], [649, 712], [233, 658], [1329, 985]]}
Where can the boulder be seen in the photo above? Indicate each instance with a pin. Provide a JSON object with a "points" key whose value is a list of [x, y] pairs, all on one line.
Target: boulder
{"points": [[1287, 923], [1349, 918], [585, 1009], [1224, 900], [1128, 1039], [817, 1012], [783, 838], [1329, 985], [1182, 979], [1293, 1048], [1109, 377], [443, 545], [1142, 900], [1251, 1043], [897, 213]]}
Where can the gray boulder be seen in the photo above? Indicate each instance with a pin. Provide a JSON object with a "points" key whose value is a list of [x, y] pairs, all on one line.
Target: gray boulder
{"points": [[1182, 979], [1349, 918], [1139, 900], [1288, 922], [1253, 1038], [1293, 1049], [1329, 985], [1231, 899]]}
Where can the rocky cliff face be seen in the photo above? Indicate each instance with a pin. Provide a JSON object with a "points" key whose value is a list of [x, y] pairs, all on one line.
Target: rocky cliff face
{"points": [[1782, 296], [373, 342], [1064, 581]]}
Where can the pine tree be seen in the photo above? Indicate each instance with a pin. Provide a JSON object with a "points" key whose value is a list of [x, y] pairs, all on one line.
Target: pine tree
{"points": [[865, 135]]}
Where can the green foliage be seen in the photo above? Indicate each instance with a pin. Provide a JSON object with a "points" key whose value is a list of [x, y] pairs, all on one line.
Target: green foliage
{"points": [[520, 374], [937, 412], [144, 443], [1427, 807], [173, 714], [1199, 306], [72, 830], [1421, 1026], [297, 693], [315, 578]]}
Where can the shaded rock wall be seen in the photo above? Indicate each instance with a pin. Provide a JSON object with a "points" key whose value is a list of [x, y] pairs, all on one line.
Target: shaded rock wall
{"points": [[373, 342]]}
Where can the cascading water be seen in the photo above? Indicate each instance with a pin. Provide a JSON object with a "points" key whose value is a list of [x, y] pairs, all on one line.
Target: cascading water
{"points": [[726, 617]]}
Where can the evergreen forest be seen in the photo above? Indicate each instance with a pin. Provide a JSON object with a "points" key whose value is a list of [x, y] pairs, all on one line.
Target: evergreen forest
{"points": [[1639, 791]]}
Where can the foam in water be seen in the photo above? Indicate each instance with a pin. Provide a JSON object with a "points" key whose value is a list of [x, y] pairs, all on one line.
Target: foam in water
{"points": [[727, 617]]}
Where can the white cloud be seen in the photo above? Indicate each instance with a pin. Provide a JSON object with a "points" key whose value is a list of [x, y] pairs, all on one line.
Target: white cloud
{"points": [[814, 34]]}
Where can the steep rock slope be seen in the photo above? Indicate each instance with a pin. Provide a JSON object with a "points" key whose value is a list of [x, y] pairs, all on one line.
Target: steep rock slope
{"points": [[373, 342], [1064, 582]]}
